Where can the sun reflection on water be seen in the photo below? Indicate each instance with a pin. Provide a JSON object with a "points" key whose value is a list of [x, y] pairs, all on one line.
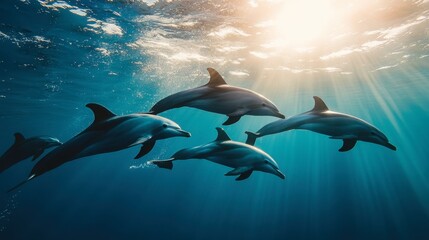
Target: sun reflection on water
{"points": [[295, 37]]}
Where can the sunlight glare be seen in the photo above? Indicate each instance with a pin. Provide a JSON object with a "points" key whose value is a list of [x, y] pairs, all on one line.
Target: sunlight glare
{"points": [[301, 23]]}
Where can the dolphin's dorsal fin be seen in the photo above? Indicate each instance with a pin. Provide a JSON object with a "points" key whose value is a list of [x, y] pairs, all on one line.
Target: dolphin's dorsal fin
{"points": [[319, 105], [19, 138], [100, 112], [221, 135], [251, 137], [215, 78]]}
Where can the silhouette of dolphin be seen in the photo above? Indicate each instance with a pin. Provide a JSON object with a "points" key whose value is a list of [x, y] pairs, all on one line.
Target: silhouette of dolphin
{"points": [[219, 97], [243, 158], [24, 148], [109, 133], [321, 120]]}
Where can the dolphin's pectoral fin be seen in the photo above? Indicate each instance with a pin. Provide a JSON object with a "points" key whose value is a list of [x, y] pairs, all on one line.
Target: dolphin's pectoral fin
{"points": [[235, 116], [168, 164], [38, 153], [349, 141], [244, 175], [251, 137], [348, 144], [222, 135], [231, 120], [238, 171], [145, 149]]}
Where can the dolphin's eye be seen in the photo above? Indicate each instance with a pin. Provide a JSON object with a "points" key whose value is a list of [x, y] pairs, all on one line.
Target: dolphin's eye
{"points": [[263, 104], [373, 133], [164, 125]]}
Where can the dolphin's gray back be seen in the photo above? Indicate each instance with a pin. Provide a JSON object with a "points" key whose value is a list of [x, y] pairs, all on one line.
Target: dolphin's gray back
{"points": [[222, 99], [12, 156], [179, 99], [103, 137], [335, 124], [235, 154], [287, 124], [227, 99], [199, 152], [64, 153], [19, 151], [22, 151], [127, 134], [229, 153]]}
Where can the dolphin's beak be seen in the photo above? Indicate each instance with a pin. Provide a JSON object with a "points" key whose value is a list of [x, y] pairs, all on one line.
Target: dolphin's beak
{"points": [[184, 133], [390, 146], [280, 174], [279, 115]]}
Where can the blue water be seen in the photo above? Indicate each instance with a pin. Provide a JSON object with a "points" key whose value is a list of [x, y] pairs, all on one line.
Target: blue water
{"points": [[57, 56]]}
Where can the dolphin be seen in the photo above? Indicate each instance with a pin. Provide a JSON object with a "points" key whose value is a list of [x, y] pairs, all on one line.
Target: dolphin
{"points": [[109, 133], [243, 158], [219, 97], [24, 148], [320, 119]]}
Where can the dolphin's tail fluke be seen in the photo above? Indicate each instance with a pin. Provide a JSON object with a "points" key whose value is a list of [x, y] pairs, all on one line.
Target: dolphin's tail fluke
{"points": [[168, 163], [251, 137], [21, 183]]}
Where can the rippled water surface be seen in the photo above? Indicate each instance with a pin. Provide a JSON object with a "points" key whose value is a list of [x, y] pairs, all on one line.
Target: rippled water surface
{"points": [[366, 58]]}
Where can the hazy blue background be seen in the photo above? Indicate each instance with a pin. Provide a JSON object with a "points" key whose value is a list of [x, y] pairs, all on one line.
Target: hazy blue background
{"points": [[370, 60]]}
